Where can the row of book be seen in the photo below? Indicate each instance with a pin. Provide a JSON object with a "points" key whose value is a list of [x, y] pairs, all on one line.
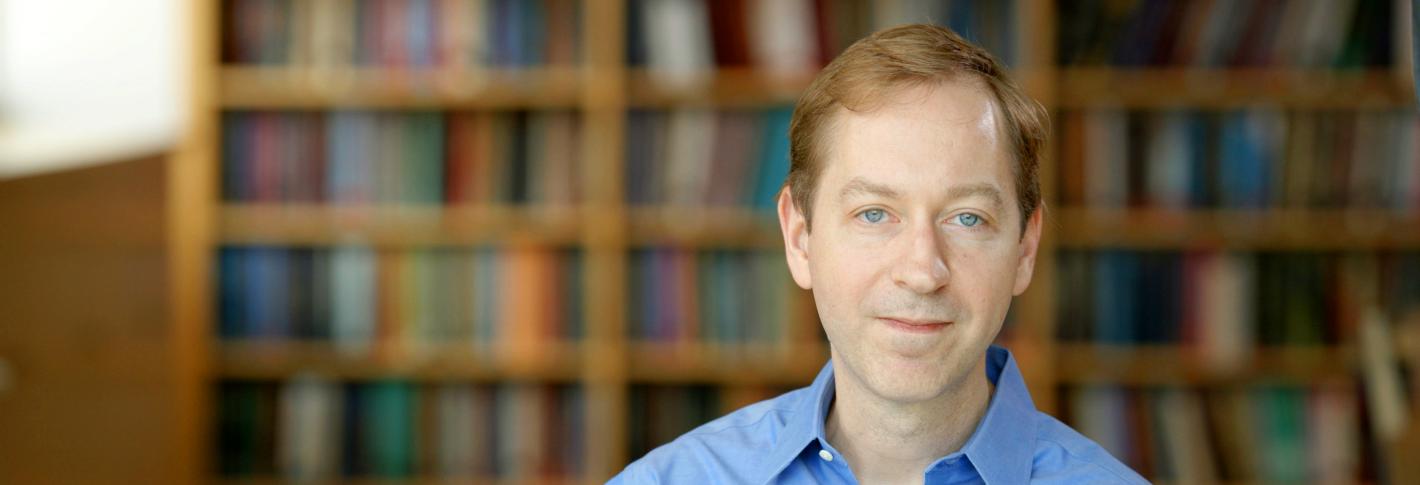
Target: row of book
{"points": [[1249, 159], [722, 297], [659, 414], [401, 34], [1226, 303], [366, 157], [1265, 433], [1318, 34], [308, 428], [679, 41], [702, 157], [358, 297]]}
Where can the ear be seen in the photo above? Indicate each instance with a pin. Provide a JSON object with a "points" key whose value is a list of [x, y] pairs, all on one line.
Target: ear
{"points": [[796, 238], [1029, 247]]}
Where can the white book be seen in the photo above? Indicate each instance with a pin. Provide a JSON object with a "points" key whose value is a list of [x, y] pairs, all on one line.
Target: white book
{"points": [[332, 33], [1227, 309], [1333, 437], [1099, 414], [463, 36], [784, 37], [678, 46], [353, 297], [1106, 158], [1327, 24], [308, 429], [1169, 161], [520, 430], [455, 438], [689, 156], [1185, 436], [1385, 395]]}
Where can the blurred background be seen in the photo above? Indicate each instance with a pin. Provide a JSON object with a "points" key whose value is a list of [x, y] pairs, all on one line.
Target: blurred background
{"points": [[526, 241]]}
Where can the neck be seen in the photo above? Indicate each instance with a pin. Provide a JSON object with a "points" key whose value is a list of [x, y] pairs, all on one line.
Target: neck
{"points": [[888, 441]]}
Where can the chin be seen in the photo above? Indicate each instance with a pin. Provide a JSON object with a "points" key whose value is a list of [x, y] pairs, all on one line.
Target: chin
{"points": [[910, 380]]}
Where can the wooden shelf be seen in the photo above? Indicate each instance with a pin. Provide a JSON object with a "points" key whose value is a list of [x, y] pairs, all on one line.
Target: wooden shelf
{"points": [[1173, 365], [746, 87], [398, 226], [705, 228], [1270, 229], [1233, 88], [546, 361], [747, 364], [256, 87]]}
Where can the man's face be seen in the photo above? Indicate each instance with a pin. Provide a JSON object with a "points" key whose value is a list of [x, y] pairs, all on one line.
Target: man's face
{"points": [[916, 248]]}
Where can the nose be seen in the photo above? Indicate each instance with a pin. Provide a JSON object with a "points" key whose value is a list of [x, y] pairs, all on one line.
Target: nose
{"points": [[923, 266]]}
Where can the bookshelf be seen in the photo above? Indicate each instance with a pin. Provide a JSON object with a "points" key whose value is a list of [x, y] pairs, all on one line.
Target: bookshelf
{"points": [[611, 87]]}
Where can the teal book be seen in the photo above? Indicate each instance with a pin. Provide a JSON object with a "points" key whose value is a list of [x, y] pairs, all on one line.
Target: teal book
{"points": [[773, 159], [1284, 446], [389, 426], [423, 176]]}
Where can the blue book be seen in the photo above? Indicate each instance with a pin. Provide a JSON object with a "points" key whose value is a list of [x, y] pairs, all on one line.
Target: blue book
{"points": [[533, 43], [232, 298], [352, 449], [773, 159], [267, 283], [422, 29], [1200, 179], [234, 156], [341, 151], [1244, 161], [1111, 298], [507, 33], [961, 18]]}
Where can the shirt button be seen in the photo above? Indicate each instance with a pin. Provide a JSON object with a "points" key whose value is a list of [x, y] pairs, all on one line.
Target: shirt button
{"points": [[825, 455]]}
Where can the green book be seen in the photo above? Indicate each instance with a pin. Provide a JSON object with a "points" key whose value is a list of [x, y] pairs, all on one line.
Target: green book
{"points": [[389, 424]]}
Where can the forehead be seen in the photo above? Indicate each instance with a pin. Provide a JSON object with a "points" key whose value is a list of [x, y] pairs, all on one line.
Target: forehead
{"points": [[925, 137]]}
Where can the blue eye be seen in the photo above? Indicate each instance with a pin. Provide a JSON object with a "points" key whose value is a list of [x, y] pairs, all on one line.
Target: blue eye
{"points": [[969, 220], [873, 216]]}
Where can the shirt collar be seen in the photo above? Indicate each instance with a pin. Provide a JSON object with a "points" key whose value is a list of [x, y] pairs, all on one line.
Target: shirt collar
{"points": [[1001, 448]]}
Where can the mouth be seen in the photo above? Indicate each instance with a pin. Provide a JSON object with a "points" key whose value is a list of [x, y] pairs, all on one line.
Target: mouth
{"points": [[914, 325]]}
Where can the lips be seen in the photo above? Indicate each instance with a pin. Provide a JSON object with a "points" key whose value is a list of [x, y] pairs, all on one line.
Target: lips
{"points": [[914, 325]]}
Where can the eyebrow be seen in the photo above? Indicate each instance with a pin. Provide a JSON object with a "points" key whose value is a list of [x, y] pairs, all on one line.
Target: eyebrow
{"points": [[860, 186], [984, 190]]}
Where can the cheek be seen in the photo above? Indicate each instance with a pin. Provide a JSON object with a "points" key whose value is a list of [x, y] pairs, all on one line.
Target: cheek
{"points": [[984, 273], [842, 278]]}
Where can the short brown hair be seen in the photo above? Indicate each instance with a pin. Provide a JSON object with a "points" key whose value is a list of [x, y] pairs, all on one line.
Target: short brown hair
{"points": [[908, 56]]}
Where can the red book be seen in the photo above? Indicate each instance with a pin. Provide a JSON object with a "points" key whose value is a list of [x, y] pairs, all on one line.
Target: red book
{"points": [[727, 21]]}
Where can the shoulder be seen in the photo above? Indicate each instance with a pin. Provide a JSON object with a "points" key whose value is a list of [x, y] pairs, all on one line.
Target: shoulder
{"points": [[1063, 455], [731, 449]]}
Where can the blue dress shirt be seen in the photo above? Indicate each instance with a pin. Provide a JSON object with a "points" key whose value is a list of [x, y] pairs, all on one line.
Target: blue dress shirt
{"points": [[782, 440]]}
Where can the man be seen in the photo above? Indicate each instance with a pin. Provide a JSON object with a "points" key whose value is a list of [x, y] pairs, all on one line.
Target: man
{"points": [[912, 211]]}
